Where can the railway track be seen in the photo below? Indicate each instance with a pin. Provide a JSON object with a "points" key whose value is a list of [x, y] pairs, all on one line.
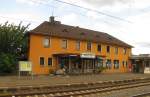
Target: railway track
{"points": [[74, 89], [143, 95]]}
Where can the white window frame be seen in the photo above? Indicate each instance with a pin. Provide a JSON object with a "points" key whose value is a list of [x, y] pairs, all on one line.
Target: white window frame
{"points": [[48, 40], [40, 60], [78, 45], [116, 50], [62, 44], [90, 46]]}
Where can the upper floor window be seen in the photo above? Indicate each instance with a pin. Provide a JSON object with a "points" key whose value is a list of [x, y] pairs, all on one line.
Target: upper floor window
{"points": [[41, 61], [99, 48], [64, 43], [116, 50], [108, 49], [124, 50], [89, 45], [77, 45], [46, 42]]}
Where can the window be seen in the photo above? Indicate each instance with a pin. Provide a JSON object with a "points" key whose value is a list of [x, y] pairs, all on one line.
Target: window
{"points": [[41, 61], [46, 42], [64, 43], [147, 64], [108, 63], [123, 63], [126, 64], [49, 61], [124, 51], [78, 45], [116, 64], [116, 50], [89, 45], [108, 49], [99, 48]]}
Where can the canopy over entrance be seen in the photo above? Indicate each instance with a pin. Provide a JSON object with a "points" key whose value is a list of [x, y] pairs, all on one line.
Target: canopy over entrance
{"points": [[75, 63]]}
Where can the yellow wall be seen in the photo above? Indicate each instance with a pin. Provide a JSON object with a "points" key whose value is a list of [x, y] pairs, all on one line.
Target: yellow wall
{"points": [[37, 50]]}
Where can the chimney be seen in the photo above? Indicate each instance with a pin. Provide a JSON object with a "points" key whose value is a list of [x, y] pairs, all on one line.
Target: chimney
{"points": [[52, 19]]}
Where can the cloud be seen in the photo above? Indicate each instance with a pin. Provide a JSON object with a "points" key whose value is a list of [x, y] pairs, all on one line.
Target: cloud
{"points": [[25, 18], [100, 3], [143, 44], [70, 19], [32, 2]]}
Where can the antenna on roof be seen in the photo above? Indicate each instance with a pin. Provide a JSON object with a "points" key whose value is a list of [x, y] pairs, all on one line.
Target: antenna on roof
{"points": [[52, 11], [52, 18]]}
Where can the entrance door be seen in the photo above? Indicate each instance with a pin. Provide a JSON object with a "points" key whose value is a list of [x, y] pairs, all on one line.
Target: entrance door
{"points": [[64, 63]]}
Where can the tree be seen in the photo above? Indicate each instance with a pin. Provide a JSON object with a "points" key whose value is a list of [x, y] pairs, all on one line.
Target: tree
{"points": [[13, 43]]}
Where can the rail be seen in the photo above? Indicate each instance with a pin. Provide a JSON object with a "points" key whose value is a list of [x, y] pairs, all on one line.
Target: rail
{"points": [[74, 89]]}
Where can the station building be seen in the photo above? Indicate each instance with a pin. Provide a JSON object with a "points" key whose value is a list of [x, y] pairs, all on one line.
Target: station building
{"points": [[53, 46], [140, 63]]}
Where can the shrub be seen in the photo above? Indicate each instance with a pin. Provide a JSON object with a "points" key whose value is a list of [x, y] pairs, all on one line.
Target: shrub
{"points": [[7, 63]]}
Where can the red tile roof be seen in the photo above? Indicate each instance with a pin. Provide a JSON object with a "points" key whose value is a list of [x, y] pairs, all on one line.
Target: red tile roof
{"points": [[77, 33]]}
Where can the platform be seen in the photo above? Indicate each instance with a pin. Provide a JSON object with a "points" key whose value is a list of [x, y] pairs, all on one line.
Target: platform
{"points": [[13, 81]]}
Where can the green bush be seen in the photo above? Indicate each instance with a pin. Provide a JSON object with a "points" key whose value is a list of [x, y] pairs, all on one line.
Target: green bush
{"points": [[13, 46], [7, 63]]}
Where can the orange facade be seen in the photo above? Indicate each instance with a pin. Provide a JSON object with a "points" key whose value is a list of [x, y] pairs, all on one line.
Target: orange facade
{"points": [[37, 50]]}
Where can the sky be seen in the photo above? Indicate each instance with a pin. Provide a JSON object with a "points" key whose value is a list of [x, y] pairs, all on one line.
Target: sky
{"points": [[127, 20]]}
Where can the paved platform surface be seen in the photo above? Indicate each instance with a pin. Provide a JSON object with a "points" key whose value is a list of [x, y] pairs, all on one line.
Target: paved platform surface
{"points": [[13, 81]]}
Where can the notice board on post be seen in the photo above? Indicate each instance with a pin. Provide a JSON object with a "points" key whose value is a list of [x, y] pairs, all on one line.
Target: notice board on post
{"points": [[25, 66]]}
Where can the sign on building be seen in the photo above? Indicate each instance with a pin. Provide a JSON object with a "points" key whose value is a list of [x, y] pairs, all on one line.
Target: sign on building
{"points": [[87, 55]]}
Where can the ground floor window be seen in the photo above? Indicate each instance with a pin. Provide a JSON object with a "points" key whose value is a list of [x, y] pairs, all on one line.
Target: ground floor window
{"points": [[42, 61], [116, 64], [99, 63], [123, 63], [126, 64], [76, 64], [108, 64], [88, 63], [49, 61], [147, 64]]}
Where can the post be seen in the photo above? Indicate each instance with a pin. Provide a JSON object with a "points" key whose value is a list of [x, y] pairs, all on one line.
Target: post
{"points": [[19, 70], [69, 64], [19, 74], [81, 65], [31, 70], [143, 63], [149, 65]]}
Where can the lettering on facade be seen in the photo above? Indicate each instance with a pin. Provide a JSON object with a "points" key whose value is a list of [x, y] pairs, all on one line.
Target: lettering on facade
{"points": [[87, 55]]}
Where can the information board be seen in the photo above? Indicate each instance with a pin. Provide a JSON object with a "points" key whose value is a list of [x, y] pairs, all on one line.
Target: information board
{"points": [[25, 66]]}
